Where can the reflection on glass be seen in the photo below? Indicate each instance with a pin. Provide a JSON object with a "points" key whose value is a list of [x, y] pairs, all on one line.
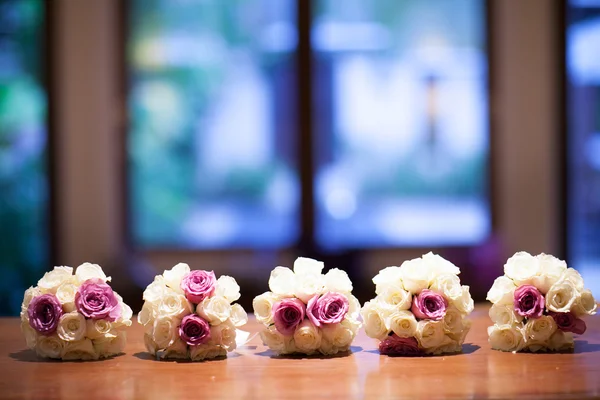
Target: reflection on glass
{"points": [[212, 160], [583, 157], [401, 107], [23, 185]]}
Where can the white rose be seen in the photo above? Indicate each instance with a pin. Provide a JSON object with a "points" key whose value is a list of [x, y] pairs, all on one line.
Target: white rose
{"points": [[439, 265], [551, 269], [561, 296], [574, 277], [429, 333], [164, 331], [327, 348], [126, 315], [49, 346], [374, 324], [29, 333], [27, 297], [352, 324], [228, 288], [53, 279], [453, 321], [307, 337], [263, 307], [308, 285], [172, 277], [110, 346], [90, 271], [150, 344], [99, 328], [540, 329], [402, 323], [146, 315], [447, 285], [522, 268], [504, 315], [307, 266], [338, 281], [178, 350], [387, 276], [273, 339], [71, 327], [173, 304], [79, 350], [215, 310], [561, 341], [155, 290], [464, 303], [66, 295], [585, 304], [206, 351], [224, 335], [460, 334], [238, 315], [415, 275], [502, 291], [282, 281], [506, 338], [338, 335], [395, 296], [353, 307], [448, 346]]}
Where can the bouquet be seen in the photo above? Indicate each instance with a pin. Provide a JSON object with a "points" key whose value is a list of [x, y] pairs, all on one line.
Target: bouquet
{"points": [[307, 312], [75, 316], [420, 308], [538, 304], [189, 315]]}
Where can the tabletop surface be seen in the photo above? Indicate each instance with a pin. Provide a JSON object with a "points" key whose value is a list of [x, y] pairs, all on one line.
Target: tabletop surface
{"points": [[253, 371]]}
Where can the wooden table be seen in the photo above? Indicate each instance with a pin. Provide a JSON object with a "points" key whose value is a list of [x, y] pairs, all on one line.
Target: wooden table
{"points": [[253, 372]]}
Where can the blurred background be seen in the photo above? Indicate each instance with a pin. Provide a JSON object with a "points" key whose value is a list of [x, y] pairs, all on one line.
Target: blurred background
{"points": [[237, 135]]}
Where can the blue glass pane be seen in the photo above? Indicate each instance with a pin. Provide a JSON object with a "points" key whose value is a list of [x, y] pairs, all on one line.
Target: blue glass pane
{"points": [[583, 157], [401, 107], [23, 184], [212, 122]]}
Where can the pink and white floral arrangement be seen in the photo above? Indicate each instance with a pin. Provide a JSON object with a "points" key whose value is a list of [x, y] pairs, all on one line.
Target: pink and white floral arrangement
{"points": [[75, 316], [538, 304], [308, 312], [420, 308], [188, 314]]}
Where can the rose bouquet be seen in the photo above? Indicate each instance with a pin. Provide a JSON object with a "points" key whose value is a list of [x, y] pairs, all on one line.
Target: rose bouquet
{"points": [[537, 305], [74, 316], [189, 315], [307, 312], [420, 308]]}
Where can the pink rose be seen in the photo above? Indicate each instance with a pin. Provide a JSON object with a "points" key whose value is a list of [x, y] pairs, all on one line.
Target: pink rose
{"points": [[330, 308], [396, 346], [567, 322], [429, 305], [194, 330], [529, 302], [198, 285], [288, 314], [96, 300], [44, 313]]}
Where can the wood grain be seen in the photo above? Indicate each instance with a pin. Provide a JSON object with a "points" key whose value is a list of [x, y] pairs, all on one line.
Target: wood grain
{"points": [[253, 372]]}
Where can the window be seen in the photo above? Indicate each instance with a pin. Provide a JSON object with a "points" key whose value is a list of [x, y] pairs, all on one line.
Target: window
{"points": [[583, 139], [399, 111], [23, 152]]}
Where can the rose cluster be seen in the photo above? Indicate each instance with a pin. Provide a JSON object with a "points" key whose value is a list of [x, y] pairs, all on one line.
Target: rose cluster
{"points": [[189, 314], [308, 312], [420, 308], [538, 304], [74, 316]]}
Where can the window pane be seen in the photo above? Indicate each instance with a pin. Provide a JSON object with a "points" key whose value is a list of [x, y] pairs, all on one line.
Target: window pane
{"points": [[401, 107], [212, 122], [23, 185], [583, 157]]}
